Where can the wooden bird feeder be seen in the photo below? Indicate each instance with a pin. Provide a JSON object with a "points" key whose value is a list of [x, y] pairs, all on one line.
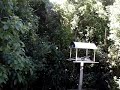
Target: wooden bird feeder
{"points": [[82, 60]]}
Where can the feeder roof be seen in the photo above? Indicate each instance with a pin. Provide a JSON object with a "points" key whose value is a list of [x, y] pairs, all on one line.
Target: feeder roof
{"points": [[83, 45]]}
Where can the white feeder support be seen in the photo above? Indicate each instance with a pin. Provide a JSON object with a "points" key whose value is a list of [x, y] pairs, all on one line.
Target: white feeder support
{"points": [[94, 55], [70, 52], [86, 52], [76, 54]]}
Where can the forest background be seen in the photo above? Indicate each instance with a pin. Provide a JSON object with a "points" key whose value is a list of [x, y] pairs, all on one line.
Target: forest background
{"points": [[35, 37]]}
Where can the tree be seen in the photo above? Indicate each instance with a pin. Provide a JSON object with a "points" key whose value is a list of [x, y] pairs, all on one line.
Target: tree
{"points": [[89, 22], [34, 40], [17, 19]]}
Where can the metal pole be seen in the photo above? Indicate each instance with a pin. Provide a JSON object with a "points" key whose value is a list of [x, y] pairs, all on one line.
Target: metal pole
{"points": [[81, 76]]}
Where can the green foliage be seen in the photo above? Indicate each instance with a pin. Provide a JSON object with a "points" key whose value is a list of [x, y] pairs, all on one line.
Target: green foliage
{"points": [[15, 65], [3, 74], [34, 40], [90, 23]]}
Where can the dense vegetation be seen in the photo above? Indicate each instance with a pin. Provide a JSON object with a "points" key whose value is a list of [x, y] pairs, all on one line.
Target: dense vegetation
{"points": [[35, 37]]}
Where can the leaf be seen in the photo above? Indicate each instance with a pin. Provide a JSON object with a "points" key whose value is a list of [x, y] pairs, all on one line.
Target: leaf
{"points": [[10, 4], [19, 78], [5, 27], [31, 71], [22, 44], [1, 48], [19, 25], [0, 74], [2, 80]]}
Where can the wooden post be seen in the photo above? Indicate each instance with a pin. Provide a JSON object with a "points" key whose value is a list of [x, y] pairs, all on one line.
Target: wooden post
{"points": [[81, 76]]}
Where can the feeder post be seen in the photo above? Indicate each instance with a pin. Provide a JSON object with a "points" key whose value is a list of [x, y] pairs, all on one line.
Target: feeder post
{"points": [[81, 76]]}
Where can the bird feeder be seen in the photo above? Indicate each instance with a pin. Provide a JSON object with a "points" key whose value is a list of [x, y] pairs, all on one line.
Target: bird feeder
{"points": [[84, 59]]}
